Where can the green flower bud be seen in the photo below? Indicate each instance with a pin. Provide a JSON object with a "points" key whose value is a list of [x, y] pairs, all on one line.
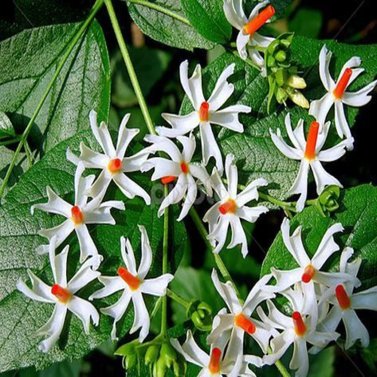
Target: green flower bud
{"points": [[296, 82], [280, 56], [127, 349], [129, 361], [152, 354], [281, 95], [270, 61], [168, 353], [298, 98], [159, 368], [280, 77]]}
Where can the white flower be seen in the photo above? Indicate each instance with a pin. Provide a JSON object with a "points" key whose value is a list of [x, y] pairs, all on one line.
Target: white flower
{"points": [[299, 329], [248, 36], [132, 282], [78, 215], [233, 325], [179, 167], [308, 273], [112, 162], [310, 153], [231, 208], [345, 303], [206, 112], [215, 364], [62, 294], [336, 92]]}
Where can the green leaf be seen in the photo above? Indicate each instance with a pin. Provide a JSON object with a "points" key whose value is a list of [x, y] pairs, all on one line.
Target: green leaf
{"points": [[357, 214], [164, 21], [208, 18], [306, 22], [6, 127], [20, 316], [28, 61]]}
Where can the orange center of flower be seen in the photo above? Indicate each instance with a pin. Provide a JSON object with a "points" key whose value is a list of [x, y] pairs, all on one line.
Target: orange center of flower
{"points": [[311, 141], [244, 323], [168, 179], [184, 167], [214, 361], [229, 206], [115, 165], [298, 322], [342, 297], [76, 215], [308, 274], [203, 112], [258, 21], [342, 83], [132, 281], [62, 294]]}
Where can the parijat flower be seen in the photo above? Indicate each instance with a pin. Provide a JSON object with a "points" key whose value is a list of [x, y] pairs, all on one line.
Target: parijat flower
{"points": [[345, 303], [248, 38], [308, 273], [336, 92], [63, 295], [238, 321], [78, 215], [206, 112], [232, 208], [179, 168], [310, 153], [217, 363], [297, 329], [113, 163], [132, 282]]}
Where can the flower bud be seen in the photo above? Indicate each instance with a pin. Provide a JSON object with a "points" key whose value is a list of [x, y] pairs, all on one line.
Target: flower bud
{"points": [[298, 98], [159, 367], [280, 56], [129, 361], [168, 353], [328, 200], [281, 95], [296, 82], [152, 354]]}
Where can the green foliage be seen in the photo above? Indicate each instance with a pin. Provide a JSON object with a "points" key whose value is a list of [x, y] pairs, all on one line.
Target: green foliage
{"points": [[164, 21], [357, 214], [306, 22]]}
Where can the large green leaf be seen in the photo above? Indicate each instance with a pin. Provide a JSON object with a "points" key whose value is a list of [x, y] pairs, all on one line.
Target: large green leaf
{"points": [[19, 237], [208, 18], [165, 22], [357, 214], [28, 62]]}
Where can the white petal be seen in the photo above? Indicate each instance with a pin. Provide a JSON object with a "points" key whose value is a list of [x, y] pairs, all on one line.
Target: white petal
{"points": [[162, 168], [212, 216], [163, 144], [87, 245], [111, 284], [296, 136], [324, 72], [156, 286], [359, 98], [221, 326], [146, 254], [261, 40], [130, 188], [219, 233], [61, 232], [327, 247], [39, 291], [352, 63], [261, 335], [257, 295], [241, 42], [181, 124], [101, 184], [332, 320], [223, 90], [141, 319], [128, 256], [218, 185], [300, 185], [250, 192], [71, 157], [190, 197], [209, 146], [134, 163], [354, 329], [285, 279], [100, 216], [58, 263], [251, 214], [279, 346], [191, 351], [199, 172], [330, 279], [332, 154], [83, 276], [102, 135], [118, 309], [233, 10], [231, 175], [82, 186], [321, 107], [235, 345], [238, 236], [283, 147], [341, 124], [124, 137], [193, 85], [92, 159], [189, 145], [54, 205], [275, 318], [85, 311], [365, 300], [300, 358], [228, 117], [53, 328], [257, 8], [175, 195], [322, 178]]}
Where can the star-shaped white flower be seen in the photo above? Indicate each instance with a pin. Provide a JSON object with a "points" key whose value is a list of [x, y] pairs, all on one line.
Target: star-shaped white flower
{"points": [[231, 208], [206, 112], [345, 303], [63, 295], [308, 273], [310, 153], [78, 215], [179, 167], [238, 321], [112, 162], [248, 38], [216, 364], [297, 329], [132, 282], [336, 92]]}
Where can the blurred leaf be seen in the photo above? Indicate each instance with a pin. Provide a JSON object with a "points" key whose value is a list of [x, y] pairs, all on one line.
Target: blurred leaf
{"points": [[20, 316], [208, 18], [306, 22], [322, 364], [357, 214], [369, 355], [172, 31]]}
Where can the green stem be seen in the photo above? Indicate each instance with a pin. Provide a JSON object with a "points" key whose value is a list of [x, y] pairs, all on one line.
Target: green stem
{"points": [[129, 66], [161, 9], [219, 262], [165, 247], [63, 60], [285, 205], [180, 300], [280, 366]]}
